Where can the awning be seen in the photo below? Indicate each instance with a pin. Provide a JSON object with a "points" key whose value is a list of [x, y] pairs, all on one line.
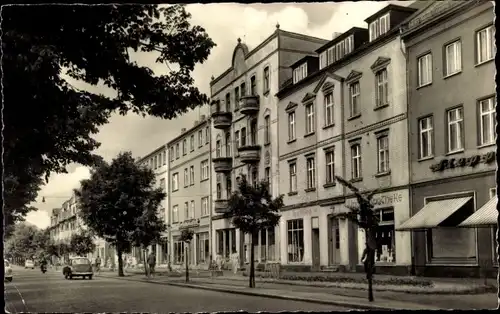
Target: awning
{"points": [[486, 216], [433, 214]]}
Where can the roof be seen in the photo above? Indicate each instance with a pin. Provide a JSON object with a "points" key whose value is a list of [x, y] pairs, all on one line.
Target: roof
{"points": [[188, 132], [302, 60], [339, 38], [388, 8]]}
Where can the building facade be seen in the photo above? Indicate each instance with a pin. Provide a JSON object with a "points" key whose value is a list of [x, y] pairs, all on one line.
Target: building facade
{"points": [[157, 161], [189, 193], [244, 115], [450, 52], [347, 119]]}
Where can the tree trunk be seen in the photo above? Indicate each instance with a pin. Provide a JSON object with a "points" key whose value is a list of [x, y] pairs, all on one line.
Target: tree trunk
{"points": [[251, 283], [120, 261], [187, 262], [370, 246], [145, 258]]}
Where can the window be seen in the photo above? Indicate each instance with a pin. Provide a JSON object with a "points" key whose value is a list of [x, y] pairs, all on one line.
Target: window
{"points": [[300, 73], [184, 147], [229, 186], [329, 109], [356, 161], [204, 169], [237, 97], [253, 86], [243, 137], [191, 175], [267, 176], [426, 137], [485, 43], [228, 102], [175, 213], [295, 235], [382, 88], [453, 57], [191, 210], [383, 154], [177, 156], [424, 64], [243, 89], [331, 55], [204, 206], [207, 135], [253, 132], [330, 167], [311, 173], [237, 139], [186, 210], [293, 176], [228, 144], [217, 148], [191, 142], [178, 252], [200, 138], [255, 176], [487, 121], [322, 60], [155, 162], [172, 155], [291, 126], [175, 181], [379, 27], [455, 129], [164, 157], [266, 79], [385, 236], [354, 99], [349, 44], [186, 177], [162, 184], [310, 125], [203, 255], [219, 191], [267, 129]]}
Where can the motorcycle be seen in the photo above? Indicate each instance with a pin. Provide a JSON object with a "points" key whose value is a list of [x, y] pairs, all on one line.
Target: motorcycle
{"points": [[43, 268]]}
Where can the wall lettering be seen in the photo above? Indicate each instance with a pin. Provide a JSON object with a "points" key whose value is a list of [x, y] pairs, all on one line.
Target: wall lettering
{"points": [[382, 200], [464, 162]]}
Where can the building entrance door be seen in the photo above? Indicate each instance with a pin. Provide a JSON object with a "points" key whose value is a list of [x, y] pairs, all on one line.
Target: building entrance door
{"points": [[315, 249], [334, 242]]}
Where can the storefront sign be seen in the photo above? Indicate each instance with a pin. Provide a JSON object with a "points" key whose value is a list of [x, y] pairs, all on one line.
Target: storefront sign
{"points": [[382, 200], [464, 162]]}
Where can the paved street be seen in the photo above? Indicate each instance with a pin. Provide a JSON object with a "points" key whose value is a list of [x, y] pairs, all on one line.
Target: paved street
{"points": [[36, 292]]}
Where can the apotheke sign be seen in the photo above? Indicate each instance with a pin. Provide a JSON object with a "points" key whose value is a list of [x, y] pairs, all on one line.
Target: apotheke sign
{"points": [[382, 200]]}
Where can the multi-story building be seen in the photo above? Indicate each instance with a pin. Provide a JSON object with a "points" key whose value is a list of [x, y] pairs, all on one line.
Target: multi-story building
{"points": [[348, 118], [157, 161], [189, 193], [450, 53], [244, 115]]}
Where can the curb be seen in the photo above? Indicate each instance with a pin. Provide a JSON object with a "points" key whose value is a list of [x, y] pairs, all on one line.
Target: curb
{"points": [[349, 305]]}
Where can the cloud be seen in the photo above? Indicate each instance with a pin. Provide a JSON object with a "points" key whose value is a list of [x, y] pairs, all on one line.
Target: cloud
{"points": [[224, 23]]}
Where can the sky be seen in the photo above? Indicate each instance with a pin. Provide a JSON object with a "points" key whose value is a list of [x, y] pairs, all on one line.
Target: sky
{"points": [[252, 23]]}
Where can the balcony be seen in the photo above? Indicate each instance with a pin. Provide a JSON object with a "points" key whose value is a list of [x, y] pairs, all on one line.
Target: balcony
{"points": [[221, 206], [190, 223], [223, 164], [222, 120], [249, 105], [249, 154]]}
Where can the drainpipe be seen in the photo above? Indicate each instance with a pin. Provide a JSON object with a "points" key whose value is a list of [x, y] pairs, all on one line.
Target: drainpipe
{"points": [[169, 206], [211, 200], [404, 52]]}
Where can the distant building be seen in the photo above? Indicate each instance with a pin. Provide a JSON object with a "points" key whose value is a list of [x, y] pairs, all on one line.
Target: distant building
{"points": [[245, 139], [189, 193]]}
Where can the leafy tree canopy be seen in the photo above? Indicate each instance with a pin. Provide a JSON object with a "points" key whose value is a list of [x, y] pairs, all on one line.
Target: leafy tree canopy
{"points": [[186, 235], [253, 208], [25, 241], [120, 203], [82, 243], [48, 122]]}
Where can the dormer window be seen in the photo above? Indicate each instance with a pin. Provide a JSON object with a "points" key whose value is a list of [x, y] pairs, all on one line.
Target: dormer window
{"points": [[300, 73], [336, 52], [379, 27]]}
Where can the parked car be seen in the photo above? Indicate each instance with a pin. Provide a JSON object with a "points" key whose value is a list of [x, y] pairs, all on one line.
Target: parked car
{"points": [[8, 270], [78, 267], [29, 264]]}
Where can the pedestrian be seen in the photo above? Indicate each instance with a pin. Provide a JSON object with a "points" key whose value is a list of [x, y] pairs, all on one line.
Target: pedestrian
{"points": [[152, 263], [98, 264]]}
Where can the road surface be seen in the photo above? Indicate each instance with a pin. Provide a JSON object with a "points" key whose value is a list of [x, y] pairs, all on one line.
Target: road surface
{"points": [[32, 291]]}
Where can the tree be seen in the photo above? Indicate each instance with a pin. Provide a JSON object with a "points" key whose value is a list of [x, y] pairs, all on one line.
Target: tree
{"points": [[48, 122], [187, 237], [364, 217], [22, 243], [82, 243], [252, 209], [120, 204]]}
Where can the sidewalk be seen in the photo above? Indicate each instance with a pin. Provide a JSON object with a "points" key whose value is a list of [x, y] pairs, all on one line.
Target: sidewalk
{"points": [[350, 298]]}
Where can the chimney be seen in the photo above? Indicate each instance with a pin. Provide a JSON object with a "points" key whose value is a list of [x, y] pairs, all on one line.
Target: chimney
{"points": [[195, 122], [335, 35], [203, 117], [183, 130]]}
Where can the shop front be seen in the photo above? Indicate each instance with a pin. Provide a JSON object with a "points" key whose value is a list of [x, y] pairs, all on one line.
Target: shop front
{"points": [[393, 255], [314, 238], [442, 243]]}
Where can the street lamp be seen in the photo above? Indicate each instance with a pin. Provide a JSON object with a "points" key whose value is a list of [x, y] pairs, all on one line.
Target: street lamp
{"points": [[65, 197]]}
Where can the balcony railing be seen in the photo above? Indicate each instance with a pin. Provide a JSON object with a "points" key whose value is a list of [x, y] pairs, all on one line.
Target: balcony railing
{"points": [[249, 154], [249, 104]]}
